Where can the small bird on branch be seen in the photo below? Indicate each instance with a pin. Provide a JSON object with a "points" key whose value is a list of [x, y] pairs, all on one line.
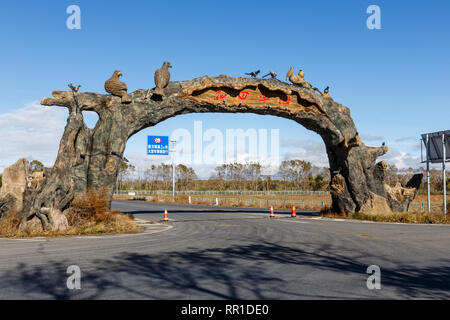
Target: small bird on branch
{"points": [[254, 73], [73, 88], [272, 74]]}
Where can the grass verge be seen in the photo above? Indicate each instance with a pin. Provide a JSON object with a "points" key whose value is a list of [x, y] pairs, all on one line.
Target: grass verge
{"points": [[88, 214], [307, 203], [399, 217]]}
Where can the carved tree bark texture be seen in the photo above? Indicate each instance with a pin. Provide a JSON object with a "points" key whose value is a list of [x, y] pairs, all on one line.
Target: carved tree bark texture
{"points": [[91, 157]]}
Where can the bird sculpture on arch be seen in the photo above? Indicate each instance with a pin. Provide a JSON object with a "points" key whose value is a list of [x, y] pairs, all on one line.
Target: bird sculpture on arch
{"points": [[162, 78], [297, 78], [116, 87]]}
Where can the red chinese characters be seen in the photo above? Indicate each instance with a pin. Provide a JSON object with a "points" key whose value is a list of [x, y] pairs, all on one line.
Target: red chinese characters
{"points": [[243, 96], [285, 102], [263, 99], [220, 95]]}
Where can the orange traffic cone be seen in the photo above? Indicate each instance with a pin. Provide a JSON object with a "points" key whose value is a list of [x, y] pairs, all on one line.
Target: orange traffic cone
{"points": [[272, 215], [294, 214], [166, 216]]}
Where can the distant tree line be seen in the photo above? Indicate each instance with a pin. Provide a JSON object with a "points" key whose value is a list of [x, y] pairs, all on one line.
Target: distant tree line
{"points": [[394, 176], [292, 175]]}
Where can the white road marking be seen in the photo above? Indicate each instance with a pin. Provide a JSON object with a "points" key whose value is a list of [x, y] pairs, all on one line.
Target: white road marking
{"points": [[147, 232], [25, 239], [293, 221]]}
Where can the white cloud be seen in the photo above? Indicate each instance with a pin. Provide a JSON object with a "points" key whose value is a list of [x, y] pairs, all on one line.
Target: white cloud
{"points": [[401, 159], [203, 171], [307, 150], [143, 162], [314, 152], [32, 132]]}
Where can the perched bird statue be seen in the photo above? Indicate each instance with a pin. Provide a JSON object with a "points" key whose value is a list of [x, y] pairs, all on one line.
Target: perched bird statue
{"points": [[325, 92], [254, 73], [272, 74], [116, 87], [301, 74], [162, 78], [297, 79], [73, 88]]}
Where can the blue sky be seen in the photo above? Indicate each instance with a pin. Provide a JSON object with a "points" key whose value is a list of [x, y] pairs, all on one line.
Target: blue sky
{"points": [[394, 80]]}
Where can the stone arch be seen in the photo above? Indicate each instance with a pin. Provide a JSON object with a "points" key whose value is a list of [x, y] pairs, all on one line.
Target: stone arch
{"points": [[91, 157]]}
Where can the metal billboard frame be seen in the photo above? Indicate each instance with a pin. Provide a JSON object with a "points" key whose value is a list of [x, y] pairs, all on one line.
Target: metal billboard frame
{"points": [[436, 146]]}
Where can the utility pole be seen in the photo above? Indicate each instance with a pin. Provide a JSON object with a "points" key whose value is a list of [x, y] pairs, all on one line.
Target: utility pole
{"points": [[444, 158], [428, 171], [173, 140]]}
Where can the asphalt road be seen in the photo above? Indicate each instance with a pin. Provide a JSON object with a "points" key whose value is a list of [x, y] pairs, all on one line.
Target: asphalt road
{"points": [[226, 253]]}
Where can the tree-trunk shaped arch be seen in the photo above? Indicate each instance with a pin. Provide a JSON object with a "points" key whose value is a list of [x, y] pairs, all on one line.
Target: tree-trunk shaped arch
{"points": [[91, 157]]}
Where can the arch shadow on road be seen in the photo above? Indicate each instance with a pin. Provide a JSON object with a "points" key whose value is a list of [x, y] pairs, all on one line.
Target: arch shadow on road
{"points": [[233, 272]]}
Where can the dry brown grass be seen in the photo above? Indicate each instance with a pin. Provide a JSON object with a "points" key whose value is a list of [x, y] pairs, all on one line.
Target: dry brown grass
{"points": [[311, 202], [399, 217], [88, 214], [9, 225]]}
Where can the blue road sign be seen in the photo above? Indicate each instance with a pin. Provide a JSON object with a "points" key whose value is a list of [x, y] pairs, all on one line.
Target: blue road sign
{"points": [[158, 145]]}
